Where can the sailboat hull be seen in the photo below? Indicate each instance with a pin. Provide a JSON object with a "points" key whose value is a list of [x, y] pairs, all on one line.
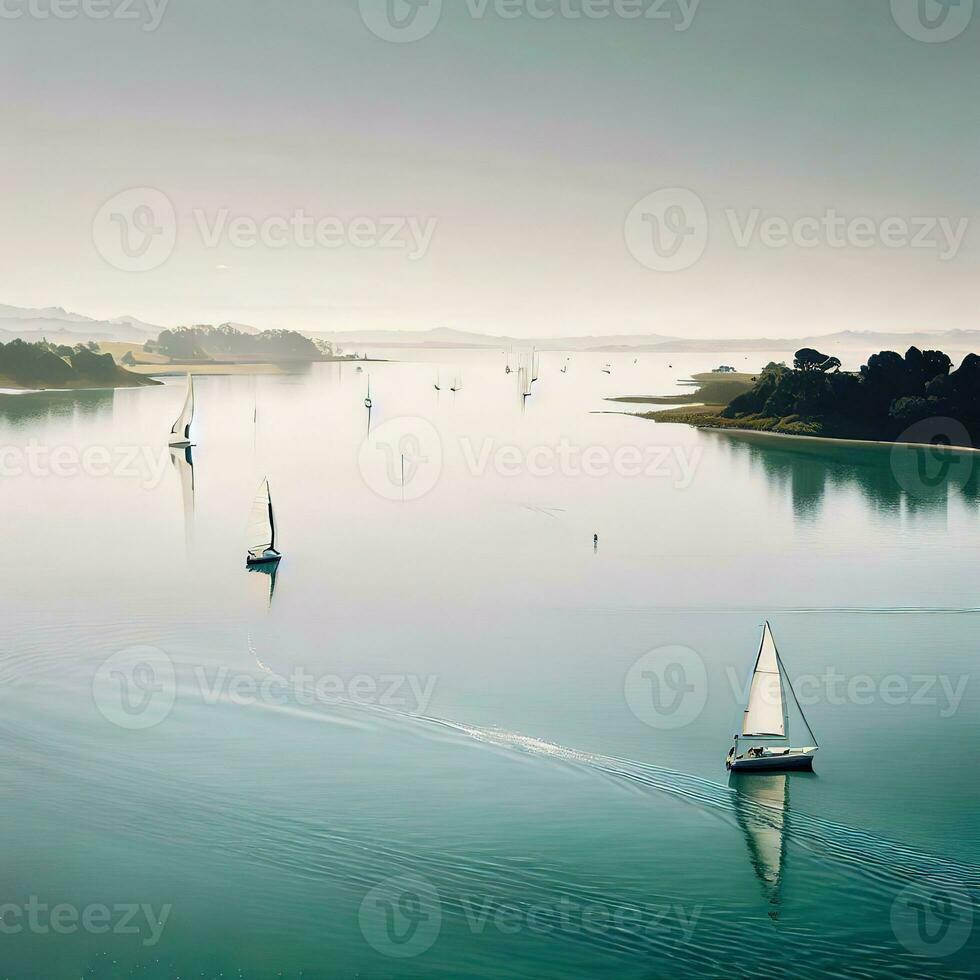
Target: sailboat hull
{"points": [[269, 558], [793, 760]]}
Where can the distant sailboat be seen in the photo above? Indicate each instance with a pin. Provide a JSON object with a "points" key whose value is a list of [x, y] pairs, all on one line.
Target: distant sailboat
{"points": [[766, 719], [438, 385], [368, 403], [457, 384], [180, 434], [262, 530], [607, 369]]}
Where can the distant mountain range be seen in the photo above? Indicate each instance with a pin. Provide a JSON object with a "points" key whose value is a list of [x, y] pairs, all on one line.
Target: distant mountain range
{"points": [[64, 327], [61, 326], [851, 340]]}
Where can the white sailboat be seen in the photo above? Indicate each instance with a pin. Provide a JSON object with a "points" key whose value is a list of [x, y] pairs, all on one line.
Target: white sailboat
{"points": [[180, 434], [262, 530], [368, 403], [457, 384], [764, 741]]}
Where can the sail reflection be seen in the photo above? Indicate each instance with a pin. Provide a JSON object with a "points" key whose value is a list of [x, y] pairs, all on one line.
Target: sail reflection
{"points": [[270, 572], [183, 463], [762, 812]]}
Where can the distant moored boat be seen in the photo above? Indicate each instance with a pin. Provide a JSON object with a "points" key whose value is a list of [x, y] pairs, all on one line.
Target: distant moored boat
{"points": [[261, 535]]}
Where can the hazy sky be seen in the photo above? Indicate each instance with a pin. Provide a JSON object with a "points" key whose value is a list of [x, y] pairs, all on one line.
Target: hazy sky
{"points": [[521, 143]]}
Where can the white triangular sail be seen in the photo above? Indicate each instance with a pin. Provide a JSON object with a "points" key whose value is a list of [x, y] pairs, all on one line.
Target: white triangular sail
{"points": [[180, 434], [765, 714], [261, 534]]}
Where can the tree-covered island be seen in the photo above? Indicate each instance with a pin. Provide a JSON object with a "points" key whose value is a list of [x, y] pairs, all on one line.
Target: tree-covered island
{"points": [[882, 401], [26, 365]]}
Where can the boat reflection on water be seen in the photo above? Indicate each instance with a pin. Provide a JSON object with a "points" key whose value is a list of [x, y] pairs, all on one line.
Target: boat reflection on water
{"points": [[270, 571], [762, 812], [183, 462]]}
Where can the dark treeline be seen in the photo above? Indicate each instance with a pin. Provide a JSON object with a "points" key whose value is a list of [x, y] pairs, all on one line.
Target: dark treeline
{"points": [[44, 365], [886, 397], [205, 342]]}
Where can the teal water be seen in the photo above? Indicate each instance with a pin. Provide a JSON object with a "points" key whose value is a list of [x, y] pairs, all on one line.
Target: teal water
{"points": [[450, 742]]}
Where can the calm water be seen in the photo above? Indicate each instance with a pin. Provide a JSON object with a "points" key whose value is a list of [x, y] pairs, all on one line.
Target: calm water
{"points": [[451, 743]]}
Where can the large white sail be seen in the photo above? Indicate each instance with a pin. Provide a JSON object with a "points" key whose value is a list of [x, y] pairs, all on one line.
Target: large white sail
{"points": [[180, 434], [261, 534], [765, 714]]}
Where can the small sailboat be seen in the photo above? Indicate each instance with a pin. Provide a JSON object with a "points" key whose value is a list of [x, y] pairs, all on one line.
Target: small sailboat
{"points": [[262, 530], [180, 434], [368, 403], [764, 741], [438, 384], [457, 384], [607, 369]]}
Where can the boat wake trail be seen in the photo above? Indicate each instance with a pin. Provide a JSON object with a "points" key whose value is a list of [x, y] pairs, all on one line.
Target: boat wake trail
{"points": [[880, 860]]}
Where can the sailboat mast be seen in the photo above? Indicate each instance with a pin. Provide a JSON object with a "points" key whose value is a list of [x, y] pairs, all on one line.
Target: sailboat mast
{"points": [[272, 517]]}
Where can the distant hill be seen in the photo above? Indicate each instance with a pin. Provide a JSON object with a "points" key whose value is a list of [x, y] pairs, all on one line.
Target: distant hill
{"points": [[46, 365], [60, 326], [849, 340], [64, 327]]}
